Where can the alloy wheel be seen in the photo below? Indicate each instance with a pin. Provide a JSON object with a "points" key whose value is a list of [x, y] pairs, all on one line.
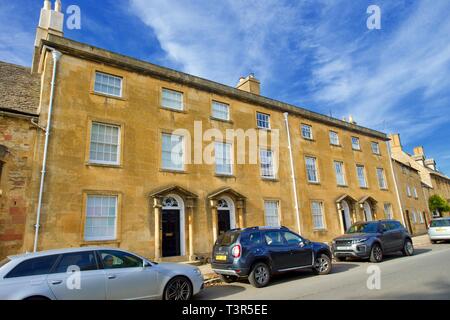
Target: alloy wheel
{"points": [[409, 248], [178, 289], [378, 253], [261, 274], [321, 264]]}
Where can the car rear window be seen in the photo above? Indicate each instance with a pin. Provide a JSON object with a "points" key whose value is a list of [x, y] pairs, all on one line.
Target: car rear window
{"points": [[440, 223], [4, 261], [227, 238], [33, 267], [251, 239]]}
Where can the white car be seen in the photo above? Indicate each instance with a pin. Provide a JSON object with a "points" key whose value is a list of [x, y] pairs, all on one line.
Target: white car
{"points": [[439, 229], [95, 273]]}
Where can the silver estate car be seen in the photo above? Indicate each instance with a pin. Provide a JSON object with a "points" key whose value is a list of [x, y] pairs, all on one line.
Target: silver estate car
{"points": [[439, 229], [95, 273]]}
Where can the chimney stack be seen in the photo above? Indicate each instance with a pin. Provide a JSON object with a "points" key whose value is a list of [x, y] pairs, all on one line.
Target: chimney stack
{"points": [[396, 142], [430, 163], [419, 155], [50, 22], [249, 84]]}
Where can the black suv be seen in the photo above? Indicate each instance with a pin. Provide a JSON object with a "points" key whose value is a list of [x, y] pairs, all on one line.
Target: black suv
{"points": [[373, 239], [259, 252]]}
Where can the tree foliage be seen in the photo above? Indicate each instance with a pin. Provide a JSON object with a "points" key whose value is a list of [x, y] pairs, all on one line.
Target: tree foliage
{"points": [[437, 203]]}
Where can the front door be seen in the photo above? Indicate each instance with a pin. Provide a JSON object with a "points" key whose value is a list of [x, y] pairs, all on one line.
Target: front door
{"points": [[224, 221], [171, 233], [408, 222]]}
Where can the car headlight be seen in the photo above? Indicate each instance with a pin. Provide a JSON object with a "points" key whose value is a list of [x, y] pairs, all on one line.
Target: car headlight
{"points": [[360, 240], [197, 271]]}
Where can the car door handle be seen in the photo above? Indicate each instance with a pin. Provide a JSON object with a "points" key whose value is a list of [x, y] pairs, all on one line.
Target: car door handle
{"points": [[112, 276], [55, 282]]}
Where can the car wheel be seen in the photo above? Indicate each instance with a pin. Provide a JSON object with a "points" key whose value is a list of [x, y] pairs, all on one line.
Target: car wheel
{"points": [[376, 254], [408, 248], [178, 288], [227, 278], [260, 275], [322, 265]]}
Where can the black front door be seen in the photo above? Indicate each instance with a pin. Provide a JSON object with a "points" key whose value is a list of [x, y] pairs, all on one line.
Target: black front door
{"points": [[171, 233], [224, 221]]}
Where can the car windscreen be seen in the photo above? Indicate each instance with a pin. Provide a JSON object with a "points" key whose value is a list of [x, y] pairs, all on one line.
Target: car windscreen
{"points": [[4, 261], [227, 238], [369, 227], [440, 223]]}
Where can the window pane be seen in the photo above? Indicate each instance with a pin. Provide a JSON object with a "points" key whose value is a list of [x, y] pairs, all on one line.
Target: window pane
{"points": [[361, 176], [108, 84], [104, 147], [263, 120], [266, 162], [307, 131], [375, 148], [388, 211], [340, 176], [271, 213], [101, 215], [381, 178], [172, 152], [317, 213], [223, 158], [311, 169], [112, 259], [33, 267], [83, 260], [172, 99], [220, 110], [355, 143], [334, 138]]}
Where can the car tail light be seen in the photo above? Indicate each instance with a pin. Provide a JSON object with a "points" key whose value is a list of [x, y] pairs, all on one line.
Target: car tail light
{"points": [[236, 251]]}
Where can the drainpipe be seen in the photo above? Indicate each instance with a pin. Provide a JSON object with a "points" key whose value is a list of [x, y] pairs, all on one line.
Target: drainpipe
{"points": [[294, 183], [395, 183], [56, 55]]}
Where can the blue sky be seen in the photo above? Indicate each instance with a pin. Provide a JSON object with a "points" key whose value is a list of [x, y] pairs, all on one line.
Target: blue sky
{"points": [[316, 54]]}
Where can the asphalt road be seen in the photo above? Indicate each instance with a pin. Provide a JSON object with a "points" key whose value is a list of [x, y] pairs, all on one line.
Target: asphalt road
{"points": [[426, 275]]}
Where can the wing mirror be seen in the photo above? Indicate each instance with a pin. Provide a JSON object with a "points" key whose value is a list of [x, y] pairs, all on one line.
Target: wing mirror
{"points": [[146, 264]]}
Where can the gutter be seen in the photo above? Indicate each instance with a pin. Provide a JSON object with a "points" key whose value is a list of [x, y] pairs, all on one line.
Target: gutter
{"points": [[294, 182], [56, 56]]}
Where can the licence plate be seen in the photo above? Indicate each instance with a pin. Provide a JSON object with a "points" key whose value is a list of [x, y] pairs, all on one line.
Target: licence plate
{"points": [[343, 248], [440, 229], [221, 257]]}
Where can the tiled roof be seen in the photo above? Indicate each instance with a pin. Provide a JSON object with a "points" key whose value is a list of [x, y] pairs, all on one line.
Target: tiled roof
{"points": [[19, 89]]}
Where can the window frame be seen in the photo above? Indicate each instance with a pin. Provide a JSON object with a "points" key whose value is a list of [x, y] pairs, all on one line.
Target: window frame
{"points": [[97, 72], [278, 215], [353, 144], [164, 89], [86, 217], [264, 121], [310, 128], [183, 156], [366, 184], [322, 215], [344, 176], [384, 180], [389, 215], [215, 102], [330, 133], [224, 164], [272, 162], [316, 168], [377, 151], [119, 144]]}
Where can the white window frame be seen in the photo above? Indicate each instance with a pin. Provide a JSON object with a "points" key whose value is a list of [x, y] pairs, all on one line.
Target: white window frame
{"points": [[316, 171], [109, 77], [266, 120], [166, 166], [416, 196], [214, 111], [333, 134], [268, 216], [166, 90], [364, 176], [421, 218], [271, 163], [341, 163], [318, 215], [230, 146], [381, 183], [87, 217], [408, 191], [389, 214], [118, 146], [375, 150], [354, 145], [306, 128]]}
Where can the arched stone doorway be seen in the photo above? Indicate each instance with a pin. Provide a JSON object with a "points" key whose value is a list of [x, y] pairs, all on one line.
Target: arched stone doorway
{"points": [[173, 210], [227, 210], [368, 206], [345, 206]]}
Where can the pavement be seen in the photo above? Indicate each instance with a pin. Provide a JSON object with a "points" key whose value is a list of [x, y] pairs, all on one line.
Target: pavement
{"points": [[425, 275], [211, 277]]}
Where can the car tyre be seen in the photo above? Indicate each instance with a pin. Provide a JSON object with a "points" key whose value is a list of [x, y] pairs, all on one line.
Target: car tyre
{"points": [[322, 265], [408, 248], [260, 275], [376, 253], [227, 279], [178, 288]]}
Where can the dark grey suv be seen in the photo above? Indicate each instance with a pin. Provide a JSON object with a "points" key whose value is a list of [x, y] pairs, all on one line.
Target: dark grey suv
{"points": [[372, 240]]}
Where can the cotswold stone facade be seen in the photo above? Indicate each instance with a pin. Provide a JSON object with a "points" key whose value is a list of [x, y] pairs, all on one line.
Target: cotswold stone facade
{"points": [[19, 99], [108, 182]]}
